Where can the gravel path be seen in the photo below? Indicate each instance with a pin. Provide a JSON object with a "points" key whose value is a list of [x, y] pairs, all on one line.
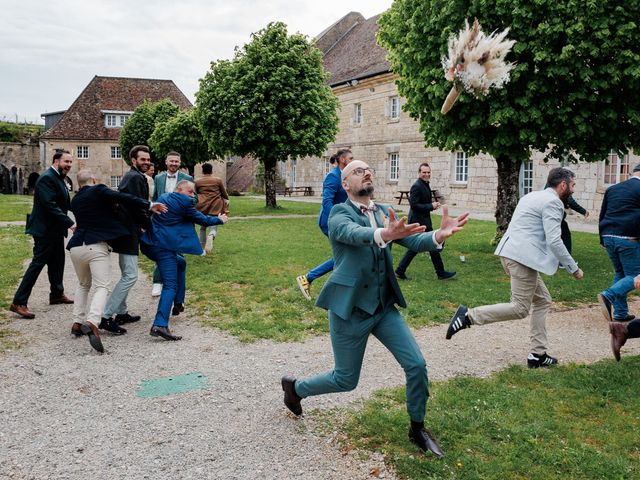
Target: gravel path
{"points": [[68, 412]]}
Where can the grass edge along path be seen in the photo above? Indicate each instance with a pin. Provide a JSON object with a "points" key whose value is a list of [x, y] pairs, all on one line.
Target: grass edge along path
{"points": [[573, 421]]}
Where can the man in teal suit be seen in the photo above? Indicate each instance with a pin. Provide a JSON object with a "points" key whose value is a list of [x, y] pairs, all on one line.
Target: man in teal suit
{"points": [[166, 182], [361, 297]]}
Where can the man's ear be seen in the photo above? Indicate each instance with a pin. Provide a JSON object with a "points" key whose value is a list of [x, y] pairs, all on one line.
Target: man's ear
{"points": [[345, 185]]}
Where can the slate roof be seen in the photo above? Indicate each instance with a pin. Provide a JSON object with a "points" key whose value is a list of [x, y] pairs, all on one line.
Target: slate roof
{"points": [[83, 120], [355, 55]]}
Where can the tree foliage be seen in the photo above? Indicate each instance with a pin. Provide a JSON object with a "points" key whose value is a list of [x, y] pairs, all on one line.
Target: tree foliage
{"points": [[181, 134], [142, 123], [574, 90], [270, 102]]}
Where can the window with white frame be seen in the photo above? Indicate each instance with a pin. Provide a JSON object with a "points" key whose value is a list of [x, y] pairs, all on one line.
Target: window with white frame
{"points": [[526, 178], [82, 151], [294, 165], [327, 166], [357, 113], [115, 181], [116, 152], [112, 120], [616, 169], [394, 107], [394, 166], [461, 167]]}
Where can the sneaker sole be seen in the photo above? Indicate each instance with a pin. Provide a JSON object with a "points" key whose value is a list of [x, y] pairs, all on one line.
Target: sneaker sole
{"points": [[602, 300]]}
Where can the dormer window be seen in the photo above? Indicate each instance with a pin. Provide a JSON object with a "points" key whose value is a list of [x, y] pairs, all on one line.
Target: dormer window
{"points": [[114, 119]]}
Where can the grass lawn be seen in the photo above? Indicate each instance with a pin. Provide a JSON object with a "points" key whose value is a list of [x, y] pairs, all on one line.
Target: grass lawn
{"points": [[574, 421], [16, 248], [251, 206], [247, 285], [14, 207]]}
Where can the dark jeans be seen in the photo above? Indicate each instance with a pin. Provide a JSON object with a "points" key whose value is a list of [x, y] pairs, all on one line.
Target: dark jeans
{"points": [[625, 258], [436, 259], [47, 251]]}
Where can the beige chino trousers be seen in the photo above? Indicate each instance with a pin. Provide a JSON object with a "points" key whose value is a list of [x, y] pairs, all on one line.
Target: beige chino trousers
{"points": [[93, 267], [528, 293]]}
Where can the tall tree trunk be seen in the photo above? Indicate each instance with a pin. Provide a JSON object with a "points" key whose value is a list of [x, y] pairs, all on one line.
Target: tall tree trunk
{"points": [[508, 172], [270, 182]]}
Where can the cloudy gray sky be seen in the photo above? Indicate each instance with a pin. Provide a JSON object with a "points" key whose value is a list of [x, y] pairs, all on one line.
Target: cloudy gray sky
{"points": [[50, 50]]}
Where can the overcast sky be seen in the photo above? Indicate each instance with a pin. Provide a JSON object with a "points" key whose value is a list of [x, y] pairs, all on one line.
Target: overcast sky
{"points": [[50, 50]]}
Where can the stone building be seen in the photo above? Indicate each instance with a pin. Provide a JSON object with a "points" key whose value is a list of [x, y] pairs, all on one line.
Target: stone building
{"points": [[374, 126], [91, 127], [20, 166]]}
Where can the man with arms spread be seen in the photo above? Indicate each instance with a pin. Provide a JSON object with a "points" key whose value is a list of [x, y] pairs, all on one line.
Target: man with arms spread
{"points": [[332, 194], [530, 246], [619, 229], [171, 235], [137, 219], [212, 200], [420, 199], [98, 224], [166, 182], [48, 224], [361, 297]]}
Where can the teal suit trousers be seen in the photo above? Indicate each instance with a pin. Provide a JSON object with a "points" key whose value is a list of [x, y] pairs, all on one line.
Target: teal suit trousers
{"points": [[349, 340]]}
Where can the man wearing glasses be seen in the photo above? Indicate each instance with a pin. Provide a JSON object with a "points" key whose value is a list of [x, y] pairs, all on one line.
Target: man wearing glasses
{"points": [[361, 297]]}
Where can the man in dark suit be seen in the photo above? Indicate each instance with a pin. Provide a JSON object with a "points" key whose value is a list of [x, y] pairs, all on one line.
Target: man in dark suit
{"points": [[172, 235], [619, 229], [361, 296], [97, 225], [48, 224], [136, 219], [421, 202]]}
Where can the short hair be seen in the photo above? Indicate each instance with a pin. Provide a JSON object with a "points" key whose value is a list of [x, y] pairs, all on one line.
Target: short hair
{"points": [[182, 183], [338, 155], [133, 153], [558, 175], [207, 168], [84, 176], [423, 164], [58, 153], [172, 154]]}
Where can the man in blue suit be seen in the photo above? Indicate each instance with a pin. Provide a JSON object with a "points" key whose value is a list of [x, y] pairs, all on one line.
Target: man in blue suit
{"points": [[332, 194], [361, 297], [171, 235], [166, 182]]}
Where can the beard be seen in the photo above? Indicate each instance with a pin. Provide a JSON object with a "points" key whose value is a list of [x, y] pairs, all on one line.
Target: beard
{"points": [[365, 192]]}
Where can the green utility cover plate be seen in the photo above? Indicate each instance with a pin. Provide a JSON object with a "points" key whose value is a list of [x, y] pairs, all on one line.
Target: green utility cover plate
{"points": [[161, 387]]}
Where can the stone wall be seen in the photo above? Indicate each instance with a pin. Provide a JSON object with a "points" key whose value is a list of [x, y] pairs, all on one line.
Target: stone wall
{"points": [[20, 165]]}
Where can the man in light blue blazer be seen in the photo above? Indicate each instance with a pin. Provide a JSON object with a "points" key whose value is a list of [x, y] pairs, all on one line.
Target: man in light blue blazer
{"points": [[166, 182], [168, 239], [332, 194], [531, 245], [361, 296]]}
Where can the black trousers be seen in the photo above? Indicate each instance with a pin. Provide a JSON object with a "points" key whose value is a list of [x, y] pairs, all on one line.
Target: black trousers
{"points": [[565, 233], [47, 251], [436, 259]]}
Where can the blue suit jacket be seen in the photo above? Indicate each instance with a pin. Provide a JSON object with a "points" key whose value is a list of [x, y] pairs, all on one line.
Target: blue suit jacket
{"points": [[363, 274], [332, 194], [173, 230]]}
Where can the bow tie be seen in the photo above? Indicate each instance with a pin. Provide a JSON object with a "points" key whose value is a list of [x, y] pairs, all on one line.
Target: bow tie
{"points": [[171, 176], [372, 208]]}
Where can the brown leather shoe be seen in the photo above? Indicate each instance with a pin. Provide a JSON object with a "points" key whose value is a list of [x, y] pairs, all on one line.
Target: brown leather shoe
{"points": [[92, 332], [22, 310], [619, 337], [62, 299], [76, 329]]}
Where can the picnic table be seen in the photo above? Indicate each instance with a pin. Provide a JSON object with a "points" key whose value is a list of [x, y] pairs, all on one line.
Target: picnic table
{"points": [[306, 191], [402, 194]]}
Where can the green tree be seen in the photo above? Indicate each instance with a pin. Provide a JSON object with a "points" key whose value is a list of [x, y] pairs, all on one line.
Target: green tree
{"points": [[142, 123], [181, 134], [270, 102], [573, 92]]}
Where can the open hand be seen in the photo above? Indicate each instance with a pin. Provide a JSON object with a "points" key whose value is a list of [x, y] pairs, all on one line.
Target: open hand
{"points": [[578, 274], [223, 217], [158, 207], [449, 225], [398, 229], [636, 282]]}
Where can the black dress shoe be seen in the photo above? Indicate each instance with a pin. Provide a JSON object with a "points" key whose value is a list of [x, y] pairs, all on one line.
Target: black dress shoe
{"points": [[164, 332], [122, 318], [177, 309], [111, 326], [61, 300], [423, 439], [91, 331], [291, 398], [76, 329], [446, 275]]}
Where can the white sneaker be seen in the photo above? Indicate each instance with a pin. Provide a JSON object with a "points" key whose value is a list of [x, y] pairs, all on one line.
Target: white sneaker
{"points": [[157, 290]]}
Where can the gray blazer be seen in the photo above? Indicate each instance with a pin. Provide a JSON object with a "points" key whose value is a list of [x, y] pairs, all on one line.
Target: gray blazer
{"points": [[533, 237]]}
